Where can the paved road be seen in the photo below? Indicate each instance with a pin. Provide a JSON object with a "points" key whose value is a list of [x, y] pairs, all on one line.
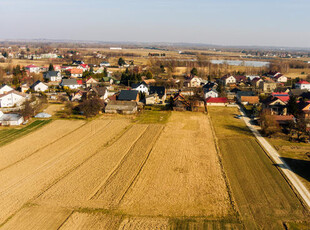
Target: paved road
{"points": [[299, 186]]}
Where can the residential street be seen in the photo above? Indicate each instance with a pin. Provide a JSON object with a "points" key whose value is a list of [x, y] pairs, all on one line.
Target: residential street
{"points": [[299, 186]]}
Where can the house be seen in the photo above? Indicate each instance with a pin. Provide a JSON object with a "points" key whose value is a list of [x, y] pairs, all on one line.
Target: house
{"points": [[129, 95], [241, 79], [210, 93], [219, 101], [268, 86], [75, 62], [198, 105], [285, 97], [192, 81], [240, 94], [228, 80], [252, 77], [101, 92], [180, 103], [77, 96], [83, 67], [33, 69], [39, 86], [105, 64], [305, 108], [5, 88], [160, 91], [280, 78], [275, 105], [256, 81], [10, 119], [122, 107], [141, 87], [91, 82], [70, 83], [76, 73], [249, 100], [12, 98], [303, 85], [54, 76]]}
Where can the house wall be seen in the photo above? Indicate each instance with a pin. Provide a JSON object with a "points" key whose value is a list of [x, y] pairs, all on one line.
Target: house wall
{"points": [[11, 99]]}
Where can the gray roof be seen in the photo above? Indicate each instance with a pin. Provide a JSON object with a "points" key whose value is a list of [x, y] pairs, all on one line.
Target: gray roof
{"points": [[43, 115], [245, 93], [51, 73], [160, 90], [128, 95], [10, 117], [69, 82]]}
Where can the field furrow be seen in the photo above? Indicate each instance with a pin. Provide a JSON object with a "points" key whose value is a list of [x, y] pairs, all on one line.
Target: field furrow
{"points": [[114, 188], [38, 218], [27, 145], [81, 184], [54, 170], [182, 176], [40, 159]]}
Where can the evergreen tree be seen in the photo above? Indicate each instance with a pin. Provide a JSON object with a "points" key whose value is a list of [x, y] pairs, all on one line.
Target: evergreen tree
{"points": [[121, 62], [194, 72], [51, 67], [292, 106]]}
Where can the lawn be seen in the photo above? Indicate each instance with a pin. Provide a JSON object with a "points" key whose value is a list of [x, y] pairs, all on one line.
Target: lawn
{"points": [[153, 115], [263, 197], [9, 134]]}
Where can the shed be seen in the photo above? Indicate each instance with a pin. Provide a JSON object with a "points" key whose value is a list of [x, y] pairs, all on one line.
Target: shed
{"points": [[122, 107], [42, 115], [11, 119]]}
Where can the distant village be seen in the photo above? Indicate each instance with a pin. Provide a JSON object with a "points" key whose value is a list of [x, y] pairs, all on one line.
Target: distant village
{"points": [[275, 102]]}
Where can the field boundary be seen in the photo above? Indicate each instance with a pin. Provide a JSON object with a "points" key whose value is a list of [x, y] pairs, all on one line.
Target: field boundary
{"points": [[219, 156]]}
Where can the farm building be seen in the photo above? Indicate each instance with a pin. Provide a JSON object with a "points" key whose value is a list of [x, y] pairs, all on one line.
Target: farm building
{"points": [[128, 95], [12, 98], [122, 107], [11, 119], [218, 101], [180, 103]]}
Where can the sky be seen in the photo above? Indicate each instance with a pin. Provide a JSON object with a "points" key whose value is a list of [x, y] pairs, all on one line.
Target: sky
{"points": [[219, 22]]}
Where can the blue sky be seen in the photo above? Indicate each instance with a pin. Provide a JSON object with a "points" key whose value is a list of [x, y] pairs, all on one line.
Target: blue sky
{"points": [[222, 22]]}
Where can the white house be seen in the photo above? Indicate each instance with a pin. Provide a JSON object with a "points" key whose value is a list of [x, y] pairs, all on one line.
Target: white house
{"points": [[4, 89], [280, 78], [70, 83], [39, 86], [33, 68], [193, 81], [229, 80], [141, 87], [210, 93], [52, 76], [12, 98], [91, 81], [303, 85]]}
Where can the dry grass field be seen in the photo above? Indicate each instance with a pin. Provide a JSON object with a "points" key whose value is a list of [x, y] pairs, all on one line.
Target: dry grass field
{"points": [[114, 174], [263, 197]]}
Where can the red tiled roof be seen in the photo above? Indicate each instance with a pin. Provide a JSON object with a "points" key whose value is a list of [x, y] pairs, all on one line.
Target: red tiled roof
{"points": [[76, 71], [303, 82], [80, 82], [216, 100], [84, 65]]}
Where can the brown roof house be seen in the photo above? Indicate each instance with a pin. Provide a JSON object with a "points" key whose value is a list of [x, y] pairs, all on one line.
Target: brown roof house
{"points": [[249, 100]]}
